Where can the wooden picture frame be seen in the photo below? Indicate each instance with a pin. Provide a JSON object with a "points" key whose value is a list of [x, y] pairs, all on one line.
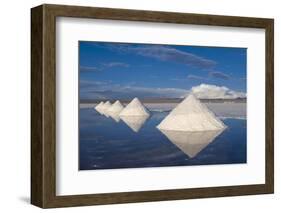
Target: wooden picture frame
{"points": [[43, 105]]}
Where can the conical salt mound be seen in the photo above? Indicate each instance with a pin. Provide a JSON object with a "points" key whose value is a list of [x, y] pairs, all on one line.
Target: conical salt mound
{"points": [[99, 105], [134, 108], [191, 143], [115, 108], [98, 108], [105, 107], [191, 115]]}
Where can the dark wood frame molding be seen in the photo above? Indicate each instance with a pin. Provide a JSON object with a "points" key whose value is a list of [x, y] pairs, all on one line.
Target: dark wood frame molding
{"points": [[43, 105]]}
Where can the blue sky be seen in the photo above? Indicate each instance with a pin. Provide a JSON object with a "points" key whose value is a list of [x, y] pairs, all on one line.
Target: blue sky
{"points": [[123, 71]]}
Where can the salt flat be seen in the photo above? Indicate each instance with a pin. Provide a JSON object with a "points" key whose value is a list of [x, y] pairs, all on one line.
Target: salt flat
{"points": [[229, 110], [222, 110]]}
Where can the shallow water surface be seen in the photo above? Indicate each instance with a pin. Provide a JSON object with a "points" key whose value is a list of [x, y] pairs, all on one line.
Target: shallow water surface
{"points": [[108, 143]]}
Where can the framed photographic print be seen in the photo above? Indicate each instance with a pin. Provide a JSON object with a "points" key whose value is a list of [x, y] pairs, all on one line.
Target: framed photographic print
{"points": [[137, 106]]}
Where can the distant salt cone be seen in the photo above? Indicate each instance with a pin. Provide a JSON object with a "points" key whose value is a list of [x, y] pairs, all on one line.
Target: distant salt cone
{"points": [[98, 108], [101, 108], [191, 115], [115, 117], [135, 108], [115, 110], [191, 143], [135, 122], [99, 105], [105, 108]]}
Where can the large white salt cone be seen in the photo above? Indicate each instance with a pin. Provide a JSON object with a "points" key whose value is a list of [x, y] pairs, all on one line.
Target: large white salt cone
{"points": [[105, 108], [191, 115], [135, 108], [191, 143]]}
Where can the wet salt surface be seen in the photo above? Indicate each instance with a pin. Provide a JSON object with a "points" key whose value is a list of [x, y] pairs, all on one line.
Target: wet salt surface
{"points": [[222, 110], [107, 144]]}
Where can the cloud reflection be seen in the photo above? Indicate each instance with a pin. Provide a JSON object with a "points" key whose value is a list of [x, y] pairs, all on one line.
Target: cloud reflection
{"points": [[114, 116]]}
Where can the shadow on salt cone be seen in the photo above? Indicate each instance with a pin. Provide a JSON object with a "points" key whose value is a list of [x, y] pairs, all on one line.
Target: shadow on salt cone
{"points": [[135, 122], [191, 143]]}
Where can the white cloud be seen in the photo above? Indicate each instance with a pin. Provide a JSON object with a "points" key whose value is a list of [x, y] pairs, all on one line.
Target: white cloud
{"points": [[107, 90], [100, 90], [220, 75], [206, 91], [103, 66], [89, 68], [115, 64], [164, 53]]}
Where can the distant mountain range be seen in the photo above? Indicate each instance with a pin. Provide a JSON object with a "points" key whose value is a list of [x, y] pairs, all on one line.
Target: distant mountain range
{"points": [[167, 100]]}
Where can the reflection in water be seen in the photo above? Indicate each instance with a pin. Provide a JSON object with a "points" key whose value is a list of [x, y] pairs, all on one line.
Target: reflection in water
{"points": [[106, 114], [105, 144], [99, 110], [135, 122], [114, 116], [191, 143], [105, 107]]}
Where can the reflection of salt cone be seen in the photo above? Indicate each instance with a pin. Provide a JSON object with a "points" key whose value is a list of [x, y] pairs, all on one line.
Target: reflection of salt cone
{"points": [[115, 110], [135, 122], [114, 116], [106, 114], [99, 111], [191, 143], [191, 115], [105, 108]]}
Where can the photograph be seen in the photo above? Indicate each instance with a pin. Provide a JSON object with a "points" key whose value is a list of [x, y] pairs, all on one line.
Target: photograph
{"points": [[161, 105], [144, 105]]}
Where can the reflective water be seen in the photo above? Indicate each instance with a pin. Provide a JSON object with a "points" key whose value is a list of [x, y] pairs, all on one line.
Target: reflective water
{"points": [[108, 142]]}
